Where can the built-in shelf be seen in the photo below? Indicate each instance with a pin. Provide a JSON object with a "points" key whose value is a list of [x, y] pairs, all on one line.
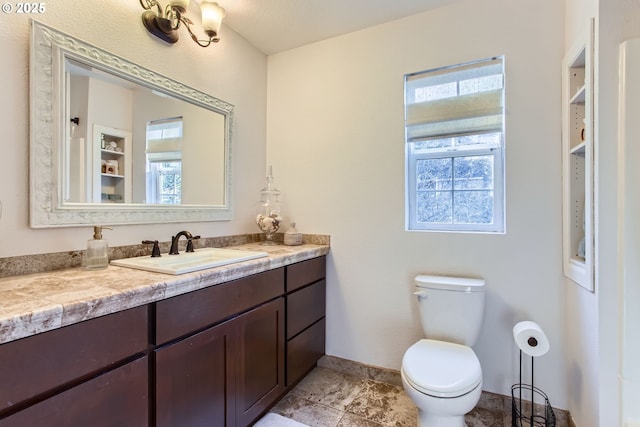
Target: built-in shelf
{"points": [[112, 163], [111, 153], [579, 262], [579, 149], [577, 165], [580, 96]]}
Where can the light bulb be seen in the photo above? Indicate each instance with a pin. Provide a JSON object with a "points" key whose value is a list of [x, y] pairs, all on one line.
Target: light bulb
{"points": [[212, 15]]}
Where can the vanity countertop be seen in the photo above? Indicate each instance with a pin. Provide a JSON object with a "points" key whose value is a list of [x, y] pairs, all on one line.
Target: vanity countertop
{"points": [[35, 303]]}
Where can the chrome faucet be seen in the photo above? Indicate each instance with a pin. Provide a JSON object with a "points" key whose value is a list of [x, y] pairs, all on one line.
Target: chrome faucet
{"points": [[174, 242]]}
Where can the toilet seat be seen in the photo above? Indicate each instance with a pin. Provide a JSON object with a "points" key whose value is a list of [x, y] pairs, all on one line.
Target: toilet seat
{"points": [[441, 369]]}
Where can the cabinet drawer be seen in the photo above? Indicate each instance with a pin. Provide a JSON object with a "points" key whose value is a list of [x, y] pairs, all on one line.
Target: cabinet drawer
{"points": [[304, 307], [305, 272], [40, 363], [118, 398], [184, 314], [304, 351]]}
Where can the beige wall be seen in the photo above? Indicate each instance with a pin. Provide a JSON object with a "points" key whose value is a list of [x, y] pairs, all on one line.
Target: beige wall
{"points": [[232, 70], [335, 138]]}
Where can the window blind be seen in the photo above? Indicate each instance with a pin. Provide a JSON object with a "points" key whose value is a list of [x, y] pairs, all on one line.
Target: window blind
{"points": [[164, 136], [455, 101]]}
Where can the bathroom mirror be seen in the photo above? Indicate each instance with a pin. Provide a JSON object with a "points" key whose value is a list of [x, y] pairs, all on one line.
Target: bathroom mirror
{"points": [[115, 143]]}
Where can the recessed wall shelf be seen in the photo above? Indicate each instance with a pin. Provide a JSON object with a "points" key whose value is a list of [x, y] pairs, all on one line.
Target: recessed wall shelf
{"points": [[111, 165], [577, 162], [579, 149], [579, 97]]}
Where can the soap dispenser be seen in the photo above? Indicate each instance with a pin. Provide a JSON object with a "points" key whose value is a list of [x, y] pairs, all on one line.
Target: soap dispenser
{"points": [[97, 250]]}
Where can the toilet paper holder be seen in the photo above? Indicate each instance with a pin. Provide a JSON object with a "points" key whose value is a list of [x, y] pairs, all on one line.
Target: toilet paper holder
{"points": [[539, 415], [532, 341]]}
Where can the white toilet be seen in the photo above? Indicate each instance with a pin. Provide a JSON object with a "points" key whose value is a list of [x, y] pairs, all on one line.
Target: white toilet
{"points": [[441, 373]]}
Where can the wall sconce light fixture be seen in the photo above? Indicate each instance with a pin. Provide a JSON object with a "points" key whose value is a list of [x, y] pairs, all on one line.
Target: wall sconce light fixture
{"points": [[164, 24]]}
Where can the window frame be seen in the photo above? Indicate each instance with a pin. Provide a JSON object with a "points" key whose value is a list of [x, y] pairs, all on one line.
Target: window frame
{"points": [[413, 156], [154, 184]]}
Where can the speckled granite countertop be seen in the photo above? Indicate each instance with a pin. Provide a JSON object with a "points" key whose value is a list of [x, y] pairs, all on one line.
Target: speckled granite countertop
{"points": [[34, 303]]}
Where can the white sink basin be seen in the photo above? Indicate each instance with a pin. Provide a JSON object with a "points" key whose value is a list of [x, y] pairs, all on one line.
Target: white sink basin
{"points": [[187, 262]]}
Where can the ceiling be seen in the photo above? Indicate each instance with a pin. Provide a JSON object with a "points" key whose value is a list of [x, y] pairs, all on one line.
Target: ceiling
{"points": [[277, 25]]}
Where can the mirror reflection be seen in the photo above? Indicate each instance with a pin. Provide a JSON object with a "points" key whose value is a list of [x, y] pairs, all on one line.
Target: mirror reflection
{"points": [[131, 144], [113, 142]]}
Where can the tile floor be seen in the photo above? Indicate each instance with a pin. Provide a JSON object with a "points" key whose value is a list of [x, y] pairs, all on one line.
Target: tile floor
{"points": [[329, 398]]}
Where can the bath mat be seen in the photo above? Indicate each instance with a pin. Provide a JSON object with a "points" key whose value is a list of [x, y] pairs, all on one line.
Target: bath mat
{"points": [[275, 420]]}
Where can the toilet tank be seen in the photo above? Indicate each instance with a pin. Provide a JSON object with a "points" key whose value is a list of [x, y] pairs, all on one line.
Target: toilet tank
{"points": [[451, 308]]}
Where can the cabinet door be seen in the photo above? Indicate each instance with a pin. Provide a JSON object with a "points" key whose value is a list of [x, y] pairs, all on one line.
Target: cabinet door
{"points": [[118, 398], [260, 370], [195, 380]]}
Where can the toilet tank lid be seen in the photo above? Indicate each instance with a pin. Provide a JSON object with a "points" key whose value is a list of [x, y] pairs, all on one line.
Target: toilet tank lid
{"points": [[463, 284]]}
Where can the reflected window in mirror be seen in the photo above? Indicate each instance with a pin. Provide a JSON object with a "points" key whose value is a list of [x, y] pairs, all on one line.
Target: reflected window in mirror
{"points": [[164, 161]]}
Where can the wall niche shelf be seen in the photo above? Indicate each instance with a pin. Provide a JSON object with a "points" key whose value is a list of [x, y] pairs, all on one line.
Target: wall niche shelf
{"points": [[577, 162], [579, 97], [579, 149], [111, 165]]}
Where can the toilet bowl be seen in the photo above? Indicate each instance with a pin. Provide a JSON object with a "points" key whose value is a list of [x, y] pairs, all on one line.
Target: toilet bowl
{"points": [[441, 373], [443, 379]]}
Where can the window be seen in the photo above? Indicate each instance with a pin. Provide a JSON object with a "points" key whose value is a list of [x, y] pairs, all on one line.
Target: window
{"points": [[454, 120], [165, 182], [164, 162]]}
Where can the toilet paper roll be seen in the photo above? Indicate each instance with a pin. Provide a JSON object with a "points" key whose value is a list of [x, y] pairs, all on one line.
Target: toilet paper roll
{"points": [[530, 338]]}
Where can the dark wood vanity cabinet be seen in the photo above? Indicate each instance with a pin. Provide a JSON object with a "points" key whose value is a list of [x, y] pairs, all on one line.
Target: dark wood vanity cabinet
{"points": [[226, 375], [306, 301], [219, 356], [116, 398], [93, 370], [228, 352], [226, 364]]}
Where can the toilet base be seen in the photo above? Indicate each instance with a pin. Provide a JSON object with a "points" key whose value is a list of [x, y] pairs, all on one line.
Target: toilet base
{"points": [[442, 412]]}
